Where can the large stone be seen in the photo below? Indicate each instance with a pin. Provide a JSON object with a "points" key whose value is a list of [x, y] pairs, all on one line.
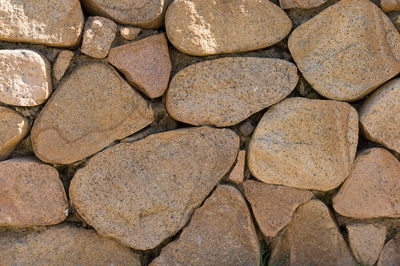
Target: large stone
{"points": [[302, 143], [144, 192], [202, 28], [224, 92], [336, 54], [220, 232], [303, 4], [62, 63], [51, 22], [391, 253], [390, 5], [372, 188], [93, 107]]}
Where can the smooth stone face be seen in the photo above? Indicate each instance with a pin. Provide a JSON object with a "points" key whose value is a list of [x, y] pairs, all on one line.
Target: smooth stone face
{"points": [[93, 107], [336, 54], [62, 63], [307, 144], [224, 92], [143, 192], [220, 232], [202, 28], [391, 253], [390, 5], [129, 33], [303, 4]]}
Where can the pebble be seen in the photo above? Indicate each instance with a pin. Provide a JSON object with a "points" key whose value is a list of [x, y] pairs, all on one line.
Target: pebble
{"points": [[62, 63], [390, 5], [237, 174], [302, 4], [129, 33]]}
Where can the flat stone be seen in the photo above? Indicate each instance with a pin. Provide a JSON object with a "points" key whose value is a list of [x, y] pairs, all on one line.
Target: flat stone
{"points": [[62, 63], [220, 232], [307, 144], [143, 192], [25, 78], [202, 28], [237, 174], [129, 33], [224, 92], [391, 253], [145, 64], [372, 188], [390, 5], [52, 22], [93, 107], [337, 56], [302, 4]]}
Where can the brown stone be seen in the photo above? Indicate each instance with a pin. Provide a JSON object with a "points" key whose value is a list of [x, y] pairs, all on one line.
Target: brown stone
{"points": [[62, 63], [303, 4], [220, 232], [391, 253], [246, 129], [390, 5], [129, 33], [237, 174], [92, 108]]}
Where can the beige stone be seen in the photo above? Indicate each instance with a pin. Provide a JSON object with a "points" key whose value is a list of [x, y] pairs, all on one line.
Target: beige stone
{"points": [[129, 33], [143, 192], [391, 253], [62, 63], [202, 28], [307, 144], [303, 4], [372, 188], [224, 92], [145, 64], [237, 174], [390, 5], [92, 108], [336, 54], [220, 232]]}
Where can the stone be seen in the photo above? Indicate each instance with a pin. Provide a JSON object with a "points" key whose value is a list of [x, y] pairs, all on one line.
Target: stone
{"points": [[372, 188], [336, 55], [145, 64], [64, 245], [390, 5], [302, 4], [31, 194], [306, 144], [201, 28], [220, 232], [237, 174], [246, 129], [226, 91], [391, 253], [25, 78], [129, 33], [98, 35], [52, 22], [143, 192], [93, 107], [62, 63]]}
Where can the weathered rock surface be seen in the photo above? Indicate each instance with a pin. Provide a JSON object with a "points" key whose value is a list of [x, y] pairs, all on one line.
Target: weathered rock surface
{"points": [[93, 107], [337, 56], [144, 192], [202, 28], [237, 174], [62, 63], [391, 253], [302, 143], [390, 5], [129, 33], [224, 92], [303, 4], [220, 232]]}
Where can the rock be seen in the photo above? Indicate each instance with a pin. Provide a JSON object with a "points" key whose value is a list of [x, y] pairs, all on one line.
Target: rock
{"points": [[31, 194], [25, 78], [202, 28], [273, 206], [220, 232], [225, 91], [302, 4], [143, 192], [92, 108], [129, 33], [62, 63], [333, 49], [246, 129], [64, 245], [391, 253], [52, 22], [395, 18], [372, 188], [98, 36], [390, 5], [145, 64], [237, 174], [307, 144]]}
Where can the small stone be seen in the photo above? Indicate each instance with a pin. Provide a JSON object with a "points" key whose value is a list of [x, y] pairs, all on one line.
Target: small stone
{"points": [[237, 174], [62, 63], [395, 18], [129, 33], [302, 4], [25, 78], [220, 232], [246, 129], [391, 253], [145, 64], [390, 5]]}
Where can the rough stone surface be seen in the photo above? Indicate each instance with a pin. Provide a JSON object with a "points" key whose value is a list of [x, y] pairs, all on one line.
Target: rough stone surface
{"points": [[93, 107], [62, 63], [220, 232], [246, 129], [237, 174], [145, 64], [303, 4], [144, 192], [224, 92], [391, 253], [390, 5], [25, 78], [372, 188], [129, 33], [202, 28], [337, 56], [302, 143]]}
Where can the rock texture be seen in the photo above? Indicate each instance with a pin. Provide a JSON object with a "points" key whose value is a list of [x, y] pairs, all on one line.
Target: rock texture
{"points": [[391, 253], [62, 63], [129, 33], [390, 5], [303, 4], [237, 174]]}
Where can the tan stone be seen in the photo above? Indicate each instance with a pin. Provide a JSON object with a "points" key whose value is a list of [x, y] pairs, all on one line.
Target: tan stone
{"points": [[220, 232], [391, 253], [390, 5], [202, 28], [93, 107], [336, 54], [25, 78], [307, 144], [145, 64], [237, 174], [144, 192], [62, 63], [303, 4], [224, 92], [372, 188], [129, 33], [51, 22]]}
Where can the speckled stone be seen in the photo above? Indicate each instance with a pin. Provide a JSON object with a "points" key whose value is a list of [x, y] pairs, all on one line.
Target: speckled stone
{"points": [[236, 176], [224, 92], [302, 4], [246, 128], [390, 5], [129, 33], [336, 54], [391, 253], [62, 63]]}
